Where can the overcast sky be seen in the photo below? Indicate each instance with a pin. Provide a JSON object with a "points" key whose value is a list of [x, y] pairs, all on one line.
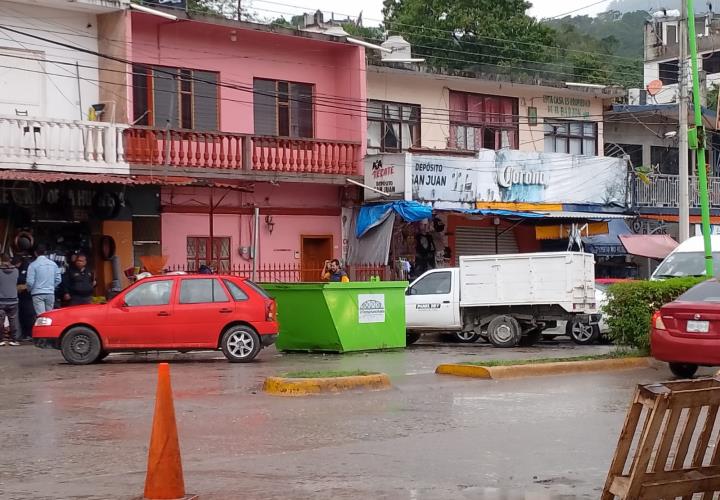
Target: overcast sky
{"points": [[372, 9]]}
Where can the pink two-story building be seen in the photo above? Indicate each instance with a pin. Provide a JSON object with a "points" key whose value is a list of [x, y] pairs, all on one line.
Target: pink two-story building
{"points": [[235, 116]]}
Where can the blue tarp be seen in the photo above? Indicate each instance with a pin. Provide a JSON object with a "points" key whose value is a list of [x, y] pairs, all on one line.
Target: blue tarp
{"points": [[372, 215]]}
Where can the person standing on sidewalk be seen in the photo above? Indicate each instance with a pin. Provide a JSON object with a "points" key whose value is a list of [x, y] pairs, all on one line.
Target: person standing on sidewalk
{"points": [[26, 311], [43, 278], [78, 283], [9, 301]]}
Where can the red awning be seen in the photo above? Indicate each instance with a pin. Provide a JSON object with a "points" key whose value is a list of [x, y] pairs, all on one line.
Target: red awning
{"points": [[654, 246], [40, 176], [125, 180]]}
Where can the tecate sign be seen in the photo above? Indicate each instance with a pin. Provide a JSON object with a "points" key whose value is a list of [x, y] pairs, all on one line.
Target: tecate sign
{"points": [[508, 176]]}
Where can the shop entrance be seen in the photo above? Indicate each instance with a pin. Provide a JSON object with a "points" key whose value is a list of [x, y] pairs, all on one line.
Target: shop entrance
{"points": [[315, 250]]}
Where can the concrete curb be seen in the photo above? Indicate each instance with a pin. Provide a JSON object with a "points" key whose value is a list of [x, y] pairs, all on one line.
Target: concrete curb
{"points": [[541, 369], [280, 386]]}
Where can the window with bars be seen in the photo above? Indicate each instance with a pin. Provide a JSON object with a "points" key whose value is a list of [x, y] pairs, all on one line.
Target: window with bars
{"points": [[283, 109], [199, 253], [184, 98], [574, 137], [392, 127], [479, 121]]}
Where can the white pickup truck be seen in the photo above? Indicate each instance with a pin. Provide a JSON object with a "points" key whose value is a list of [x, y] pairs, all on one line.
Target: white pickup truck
{"points": [[507, 299]]}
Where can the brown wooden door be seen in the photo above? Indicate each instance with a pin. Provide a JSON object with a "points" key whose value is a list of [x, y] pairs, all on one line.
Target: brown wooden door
{"points": [[315, 251]]}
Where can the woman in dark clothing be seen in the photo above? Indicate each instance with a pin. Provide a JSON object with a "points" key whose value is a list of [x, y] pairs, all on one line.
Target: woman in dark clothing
{"points": [[26, 311]]}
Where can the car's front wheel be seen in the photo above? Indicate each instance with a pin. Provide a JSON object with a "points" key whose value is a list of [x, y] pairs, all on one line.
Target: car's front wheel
{"points": [[240, 344], [683, 370], [81, 346]]}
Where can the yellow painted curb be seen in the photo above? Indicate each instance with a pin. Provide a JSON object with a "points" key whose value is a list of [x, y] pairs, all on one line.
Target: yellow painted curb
{"points": [[304, 386], [540, 369]]}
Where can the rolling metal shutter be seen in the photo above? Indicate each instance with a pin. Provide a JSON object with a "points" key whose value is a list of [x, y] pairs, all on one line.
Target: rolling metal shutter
{"points": [[481, 241]]}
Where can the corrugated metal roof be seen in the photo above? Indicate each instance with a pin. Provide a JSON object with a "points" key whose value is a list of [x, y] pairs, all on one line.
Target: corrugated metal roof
{"points": [[583, 215], [40, 176]]}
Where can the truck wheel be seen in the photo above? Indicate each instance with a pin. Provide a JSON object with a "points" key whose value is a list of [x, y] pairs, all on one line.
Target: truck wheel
{"points": [[531, 338], [582, 333], [683, 370], [412, 337], [466, 337], [504, 331]]}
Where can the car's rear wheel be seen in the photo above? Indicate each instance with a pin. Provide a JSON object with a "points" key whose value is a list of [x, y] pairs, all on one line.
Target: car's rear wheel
{"points": [[467, 337], [582, 333], [81, 346], [683, 370], [240, 344]]}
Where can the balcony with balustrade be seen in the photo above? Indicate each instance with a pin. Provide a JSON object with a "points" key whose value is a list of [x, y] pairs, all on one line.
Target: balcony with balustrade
{"points": [[73, 146], [663, 191], [240, 156]]}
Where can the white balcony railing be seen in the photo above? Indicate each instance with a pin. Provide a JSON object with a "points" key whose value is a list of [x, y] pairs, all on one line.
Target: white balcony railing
{"points": [[663, 191], [61, 145]]}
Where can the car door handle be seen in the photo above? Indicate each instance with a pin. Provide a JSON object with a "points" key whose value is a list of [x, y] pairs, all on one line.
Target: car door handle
{"points": [[226, 310], [446, 301], [163, 313]]}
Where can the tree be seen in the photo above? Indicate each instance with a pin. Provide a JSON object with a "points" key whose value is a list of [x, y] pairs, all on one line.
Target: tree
{"points": [[471, 34]]}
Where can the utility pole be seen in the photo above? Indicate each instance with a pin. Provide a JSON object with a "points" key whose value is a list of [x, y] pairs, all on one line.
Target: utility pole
{"points": [[684, 202], [697, 140]]}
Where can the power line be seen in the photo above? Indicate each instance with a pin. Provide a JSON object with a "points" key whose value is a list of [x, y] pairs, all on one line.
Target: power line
{"points": [[566, 75], [579, 9], [362, 108], [160, 70], [503, 40]]}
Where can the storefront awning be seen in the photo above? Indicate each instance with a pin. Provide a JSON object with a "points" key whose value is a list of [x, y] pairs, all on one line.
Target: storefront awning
{"points": [[45, 177], [653, 246], [124, 180]]}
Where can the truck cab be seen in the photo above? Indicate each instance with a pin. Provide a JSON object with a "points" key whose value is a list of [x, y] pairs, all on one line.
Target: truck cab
{"points": [[432, 301]]}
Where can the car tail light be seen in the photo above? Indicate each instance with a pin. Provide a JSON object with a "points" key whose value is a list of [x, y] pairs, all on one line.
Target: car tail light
{"points": [[270, 310], [657, 321]]}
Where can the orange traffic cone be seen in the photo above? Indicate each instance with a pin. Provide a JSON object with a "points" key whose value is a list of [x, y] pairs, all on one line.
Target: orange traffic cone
{"points": [[164, 478]]}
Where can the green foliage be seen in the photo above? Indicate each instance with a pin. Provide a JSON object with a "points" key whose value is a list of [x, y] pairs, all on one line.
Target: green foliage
{"points": [[499, 37], [631, 305], [462, 34], [614, 354]]}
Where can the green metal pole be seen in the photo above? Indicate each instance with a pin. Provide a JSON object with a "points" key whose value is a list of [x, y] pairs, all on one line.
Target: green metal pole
{"points": [[697, 139]]}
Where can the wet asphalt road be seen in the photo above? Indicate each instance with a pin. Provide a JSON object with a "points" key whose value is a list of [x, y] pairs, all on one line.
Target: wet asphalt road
{"points": [[82, 432]]}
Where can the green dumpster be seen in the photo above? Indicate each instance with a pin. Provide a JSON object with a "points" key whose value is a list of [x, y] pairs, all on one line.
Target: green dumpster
{"points": [[340, 317]]}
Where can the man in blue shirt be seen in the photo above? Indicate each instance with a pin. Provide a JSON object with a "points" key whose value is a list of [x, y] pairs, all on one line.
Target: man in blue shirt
{"points": [[43, 277]]}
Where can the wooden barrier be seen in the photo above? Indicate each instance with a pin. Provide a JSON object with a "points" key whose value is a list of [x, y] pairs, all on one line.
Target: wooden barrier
{"points": [[671, 431]]}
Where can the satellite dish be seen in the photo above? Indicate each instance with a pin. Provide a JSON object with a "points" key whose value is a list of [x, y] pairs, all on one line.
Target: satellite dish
{"points": [[654, 87]]}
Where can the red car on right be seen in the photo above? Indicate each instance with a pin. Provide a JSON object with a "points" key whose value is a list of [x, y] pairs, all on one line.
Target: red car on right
{"points": [[686, 332]]}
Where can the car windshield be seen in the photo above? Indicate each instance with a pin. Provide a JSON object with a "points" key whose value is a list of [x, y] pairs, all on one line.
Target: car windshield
{"points": [[601, 286], [685, 264], [708, 291]]}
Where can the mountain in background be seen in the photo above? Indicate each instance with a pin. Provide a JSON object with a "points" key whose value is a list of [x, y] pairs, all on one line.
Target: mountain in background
{"points": [[610, 32]]}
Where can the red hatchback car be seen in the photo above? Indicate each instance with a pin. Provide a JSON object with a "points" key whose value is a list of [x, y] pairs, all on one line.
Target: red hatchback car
{"points": [[686, 332], [181, 312]]}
